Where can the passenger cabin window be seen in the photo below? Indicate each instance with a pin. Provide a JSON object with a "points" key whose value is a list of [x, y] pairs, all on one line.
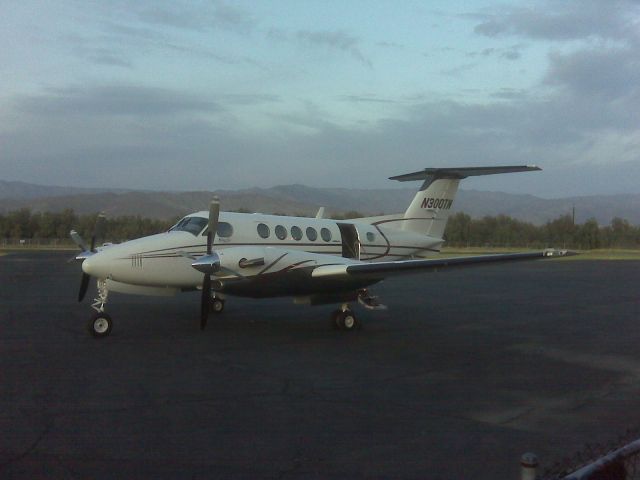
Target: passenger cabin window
{"points": [[263, 230], [312, 234], [193, 225], [325, 233], [296, 233], [224, 230], [281, 232]]}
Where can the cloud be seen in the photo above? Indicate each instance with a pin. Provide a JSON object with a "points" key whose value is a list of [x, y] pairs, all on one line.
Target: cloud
{"points": [[510, 94], [393, 45], [459, 69], [233, 18], [335, 40], [508, 53], [120, 45], [567, 20], [82, 135], [365, 99], [114, 100], [103, 56], [200, 17], [610, 72], [247, 99]]}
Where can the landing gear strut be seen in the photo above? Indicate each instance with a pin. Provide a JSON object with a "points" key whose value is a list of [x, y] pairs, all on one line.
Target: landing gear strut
{"points": [[345, 319], [100, 323]]}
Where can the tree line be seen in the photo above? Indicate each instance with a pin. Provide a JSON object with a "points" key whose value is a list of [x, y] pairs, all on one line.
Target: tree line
{"points": [[462, 230], [504, 231], [24, 224]]}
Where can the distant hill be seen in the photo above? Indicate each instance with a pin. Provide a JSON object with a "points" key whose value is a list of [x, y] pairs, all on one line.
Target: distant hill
{"points": [[303, 200], [22, 190]]}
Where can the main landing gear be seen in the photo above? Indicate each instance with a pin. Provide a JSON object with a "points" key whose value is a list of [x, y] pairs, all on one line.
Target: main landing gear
{"points": [[217, 303], [100, 323], [345, 319]]}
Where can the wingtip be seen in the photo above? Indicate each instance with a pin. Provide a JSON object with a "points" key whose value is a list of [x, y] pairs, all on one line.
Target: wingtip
{"points": [[556, 252]]}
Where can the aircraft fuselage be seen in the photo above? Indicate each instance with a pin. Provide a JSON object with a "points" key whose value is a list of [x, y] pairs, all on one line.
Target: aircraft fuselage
{"points": [[292, 245]]}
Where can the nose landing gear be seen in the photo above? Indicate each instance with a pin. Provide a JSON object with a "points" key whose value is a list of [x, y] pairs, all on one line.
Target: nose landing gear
{"points": [[100, 323]]}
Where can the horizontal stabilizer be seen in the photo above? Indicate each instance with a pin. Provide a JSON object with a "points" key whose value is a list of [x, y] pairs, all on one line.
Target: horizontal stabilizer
{"points": [[462, 172]]}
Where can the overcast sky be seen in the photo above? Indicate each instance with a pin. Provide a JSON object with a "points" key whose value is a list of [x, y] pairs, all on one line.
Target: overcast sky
{"points": [[212, 94]]}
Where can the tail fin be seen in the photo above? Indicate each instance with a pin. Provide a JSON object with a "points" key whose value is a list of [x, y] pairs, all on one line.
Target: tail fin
{"points": [[429, 210]]}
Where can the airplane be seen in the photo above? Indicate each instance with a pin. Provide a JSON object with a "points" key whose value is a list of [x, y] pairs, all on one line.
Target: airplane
{"points": [[314, 260]]}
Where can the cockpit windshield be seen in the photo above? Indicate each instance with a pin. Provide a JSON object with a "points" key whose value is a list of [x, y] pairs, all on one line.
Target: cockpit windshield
{"points": [[193, 225]]}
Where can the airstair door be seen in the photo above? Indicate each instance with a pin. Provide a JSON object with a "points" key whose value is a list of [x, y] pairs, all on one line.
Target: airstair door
{"points": [[350, 240]]}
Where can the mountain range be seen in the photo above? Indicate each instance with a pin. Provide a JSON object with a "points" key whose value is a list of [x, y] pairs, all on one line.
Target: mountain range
{"points": [[304, 200]]}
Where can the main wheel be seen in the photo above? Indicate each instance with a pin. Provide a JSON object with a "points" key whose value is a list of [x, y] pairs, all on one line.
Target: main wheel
{"points": [[100, 324], [217, 305], [347, 321]]}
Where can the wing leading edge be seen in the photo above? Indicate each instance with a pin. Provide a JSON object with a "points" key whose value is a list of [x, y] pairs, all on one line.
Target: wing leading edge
{"points": [[386, 269]]}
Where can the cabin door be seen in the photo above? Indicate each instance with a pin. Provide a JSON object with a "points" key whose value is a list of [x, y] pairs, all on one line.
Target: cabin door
{"points": [[350, 241]]}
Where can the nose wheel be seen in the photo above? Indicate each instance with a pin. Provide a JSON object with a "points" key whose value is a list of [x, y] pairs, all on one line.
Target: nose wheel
{"points": [[100, 324]]}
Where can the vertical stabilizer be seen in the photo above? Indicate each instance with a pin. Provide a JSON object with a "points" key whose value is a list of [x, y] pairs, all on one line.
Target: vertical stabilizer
{"points": [[429, 211]]}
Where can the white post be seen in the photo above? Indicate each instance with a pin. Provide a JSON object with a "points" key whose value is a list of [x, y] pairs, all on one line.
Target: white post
{"points": [[529, 464]]}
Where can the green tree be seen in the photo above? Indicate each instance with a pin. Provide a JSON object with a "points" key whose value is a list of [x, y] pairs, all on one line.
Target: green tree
{"points": [[589, 235]]}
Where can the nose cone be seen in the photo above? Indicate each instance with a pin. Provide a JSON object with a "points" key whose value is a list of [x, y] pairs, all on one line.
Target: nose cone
{"points": [[96, 266]]}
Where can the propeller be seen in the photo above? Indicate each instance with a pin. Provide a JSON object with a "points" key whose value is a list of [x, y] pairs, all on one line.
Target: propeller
{"points": [[205, 300], [84, 285], [87, 251]]}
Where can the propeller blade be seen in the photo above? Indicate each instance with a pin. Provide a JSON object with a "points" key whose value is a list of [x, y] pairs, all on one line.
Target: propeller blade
{"points": [[84, 284], [205, 301], [100, 225], [98, 230], [214, 214], [78, 240]]}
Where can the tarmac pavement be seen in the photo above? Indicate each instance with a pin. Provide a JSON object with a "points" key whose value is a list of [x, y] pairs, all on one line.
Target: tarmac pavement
{"points": [[466, 371]]}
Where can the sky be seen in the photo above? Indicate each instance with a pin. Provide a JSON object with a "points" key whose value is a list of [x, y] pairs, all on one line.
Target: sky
{"points": [[206, 95]]}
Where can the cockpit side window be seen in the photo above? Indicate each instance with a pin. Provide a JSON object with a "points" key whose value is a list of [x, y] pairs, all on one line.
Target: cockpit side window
{"points": [[193, 225], [224, 230]]}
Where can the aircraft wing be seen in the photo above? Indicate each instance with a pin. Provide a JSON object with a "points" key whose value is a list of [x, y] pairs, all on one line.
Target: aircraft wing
{"points": [[386, 269]]}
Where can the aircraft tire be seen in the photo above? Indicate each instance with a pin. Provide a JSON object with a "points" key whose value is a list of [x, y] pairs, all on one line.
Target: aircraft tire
{"points": [[100, 324], [217, 305], [348, 321]]}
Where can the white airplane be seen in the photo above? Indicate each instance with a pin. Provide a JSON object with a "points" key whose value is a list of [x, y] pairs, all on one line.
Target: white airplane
{"points": [[314, 260]]}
